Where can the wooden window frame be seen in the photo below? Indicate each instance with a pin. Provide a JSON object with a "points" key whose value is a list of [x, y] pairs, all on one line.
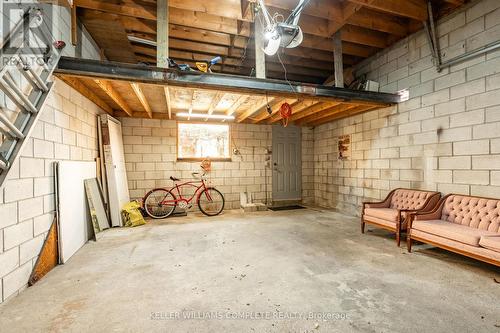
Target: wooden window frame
{"points": [[199, 159]]}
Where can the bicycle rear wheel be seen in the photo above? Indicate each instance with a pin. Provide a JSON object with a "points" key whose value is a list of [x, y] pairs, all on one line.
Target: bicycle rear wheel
{"points": [[160, 203], [211, 202]]}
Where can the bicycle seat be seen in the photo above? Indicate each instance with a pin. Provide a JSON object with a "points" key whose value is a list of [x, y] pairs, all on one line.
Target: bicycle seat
{"points": [[174, 179]]}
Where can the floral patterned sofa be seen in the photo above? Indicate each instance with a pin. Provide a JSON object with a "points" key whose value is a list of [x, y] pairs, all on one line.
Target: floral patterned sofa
{"points": [[393, 211], [463, 224]]}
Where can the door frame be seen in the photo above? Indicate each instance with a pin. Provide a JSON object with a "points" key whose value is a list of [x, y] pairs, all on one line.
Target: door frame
{"points": [[292, 197]]}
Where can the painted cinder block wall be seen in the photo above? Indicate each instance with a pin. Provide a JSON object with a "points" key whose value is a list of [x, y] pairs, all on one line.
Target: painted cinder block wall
{"points": [[66, 130], [445, 138], [150, 147]]}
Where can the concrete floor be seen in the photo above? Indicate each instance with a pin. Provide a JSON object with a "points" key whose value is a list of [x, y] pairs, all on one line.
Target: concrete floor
{"points": [[280, 264]]}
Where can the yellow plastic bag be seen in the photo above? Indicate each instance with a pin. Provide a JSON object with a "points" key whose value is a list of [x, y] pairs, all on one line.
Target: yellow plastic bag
{"points": [[131, 215]]}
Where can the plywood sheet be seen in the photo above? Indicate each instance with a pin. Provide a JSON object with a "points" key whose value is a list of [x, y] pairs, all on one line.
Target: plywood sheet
{"points": [[48, 258], [114, 161], [74, 219], [96, 206]]}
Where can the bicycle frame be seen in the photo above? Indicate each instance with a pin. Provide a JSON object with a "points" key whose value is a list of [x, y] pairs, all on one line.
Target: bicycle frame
{"points": [[180, 198]]}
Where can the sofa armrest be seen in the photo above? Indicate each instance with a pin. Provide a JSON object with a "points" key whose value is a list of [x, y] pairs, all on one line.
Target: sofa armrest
{"points": [[431, 203], [434, 214], [380, 204], [429, 215]]}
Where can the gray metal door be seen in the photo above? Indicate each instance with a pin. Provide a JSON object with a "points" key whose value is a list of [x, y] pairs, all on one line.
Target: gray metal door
{"points": [[287, 163]]}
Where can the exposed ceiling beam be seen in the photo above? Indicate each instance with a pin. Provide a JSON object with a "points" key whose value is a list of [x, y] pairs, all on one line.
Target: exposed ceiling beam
{"points": [[415, 9], [237, 43], [253, 110], [168, 100], [191, 104], [113, 94], [275, 107], [297, 107], [245, 71], [340, 115], [215, 101], [312, 110], [379, 21], [329, 9], [224, 8], [146, 12], [348, 10], [335, 109], [237, 104], [79, 86], [142, 99], [177, 16], [354, 34], [189, 56]]}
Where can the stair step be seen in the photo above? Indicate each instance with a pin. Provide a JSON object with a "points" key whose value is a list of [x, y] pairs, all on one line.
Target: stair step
{"points": [[31, 102]]}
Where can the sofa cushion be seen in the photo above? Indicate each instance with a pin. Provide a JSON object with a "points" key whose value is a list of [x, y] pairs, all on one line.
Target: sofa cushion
{"points": [[481, 251], [409, 199], [385, 216], [457, 232], [478, 213], [388, 214], [490, 242]]}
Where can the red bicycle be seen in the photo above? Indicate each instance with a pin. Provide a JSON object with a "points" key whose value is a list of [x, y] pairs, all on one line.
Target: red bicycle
{"points": [[160, 203]]}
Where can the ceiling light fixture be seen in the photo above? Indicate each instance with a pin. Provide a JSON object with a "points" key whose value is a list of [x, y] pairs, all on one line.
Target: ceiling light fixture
{"points": [[204, 116]]}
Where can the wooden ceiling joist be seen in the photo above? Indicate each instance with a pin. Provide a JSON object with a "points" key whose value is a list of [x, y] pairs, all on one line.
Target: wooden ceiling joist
{"points": [[85, 91], [140, 95], [168, 100], [275, 107], [111, 92], [215, 101], [329, 10], [224, 28], [236, 105], [222, 8], [312, 110], [379, 21], [415, 9], [262, 104], [327, 112], [348, 10], [297, 107], [340, 115]]}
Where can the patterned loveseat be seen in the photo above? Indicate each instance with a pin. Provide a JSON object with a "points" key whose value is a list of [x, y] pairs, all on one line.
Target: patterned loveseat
{"points": [[462, 224], [392, 213]]}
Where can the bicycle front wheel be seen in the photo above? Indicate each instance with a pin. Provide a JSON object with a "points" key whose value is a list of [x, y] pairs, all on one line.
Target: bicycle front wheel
{"points": [[211, 202], [160, 203]]}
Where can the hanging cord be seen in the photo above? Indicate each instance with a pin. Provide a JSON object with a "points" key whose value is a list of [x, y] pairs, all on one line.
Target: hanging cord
{"points": [[286, 75]]}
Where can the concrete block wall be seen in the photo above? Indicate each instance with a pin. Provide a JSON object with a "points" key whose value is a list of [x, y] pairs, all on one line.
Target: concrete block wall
{"points": [[151, 158], [66, 130], [307, 166], [445, 138]]}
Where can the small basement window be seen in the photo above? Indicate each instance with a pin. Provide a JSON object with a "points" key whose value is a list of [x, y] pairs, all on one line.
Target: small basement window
{"points": [[199, 141]]}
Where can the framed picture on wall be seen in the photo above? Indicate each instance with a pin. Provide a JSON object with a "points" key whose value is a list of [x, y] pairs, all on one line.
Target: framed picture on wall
{"points": [[344, 147]]}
